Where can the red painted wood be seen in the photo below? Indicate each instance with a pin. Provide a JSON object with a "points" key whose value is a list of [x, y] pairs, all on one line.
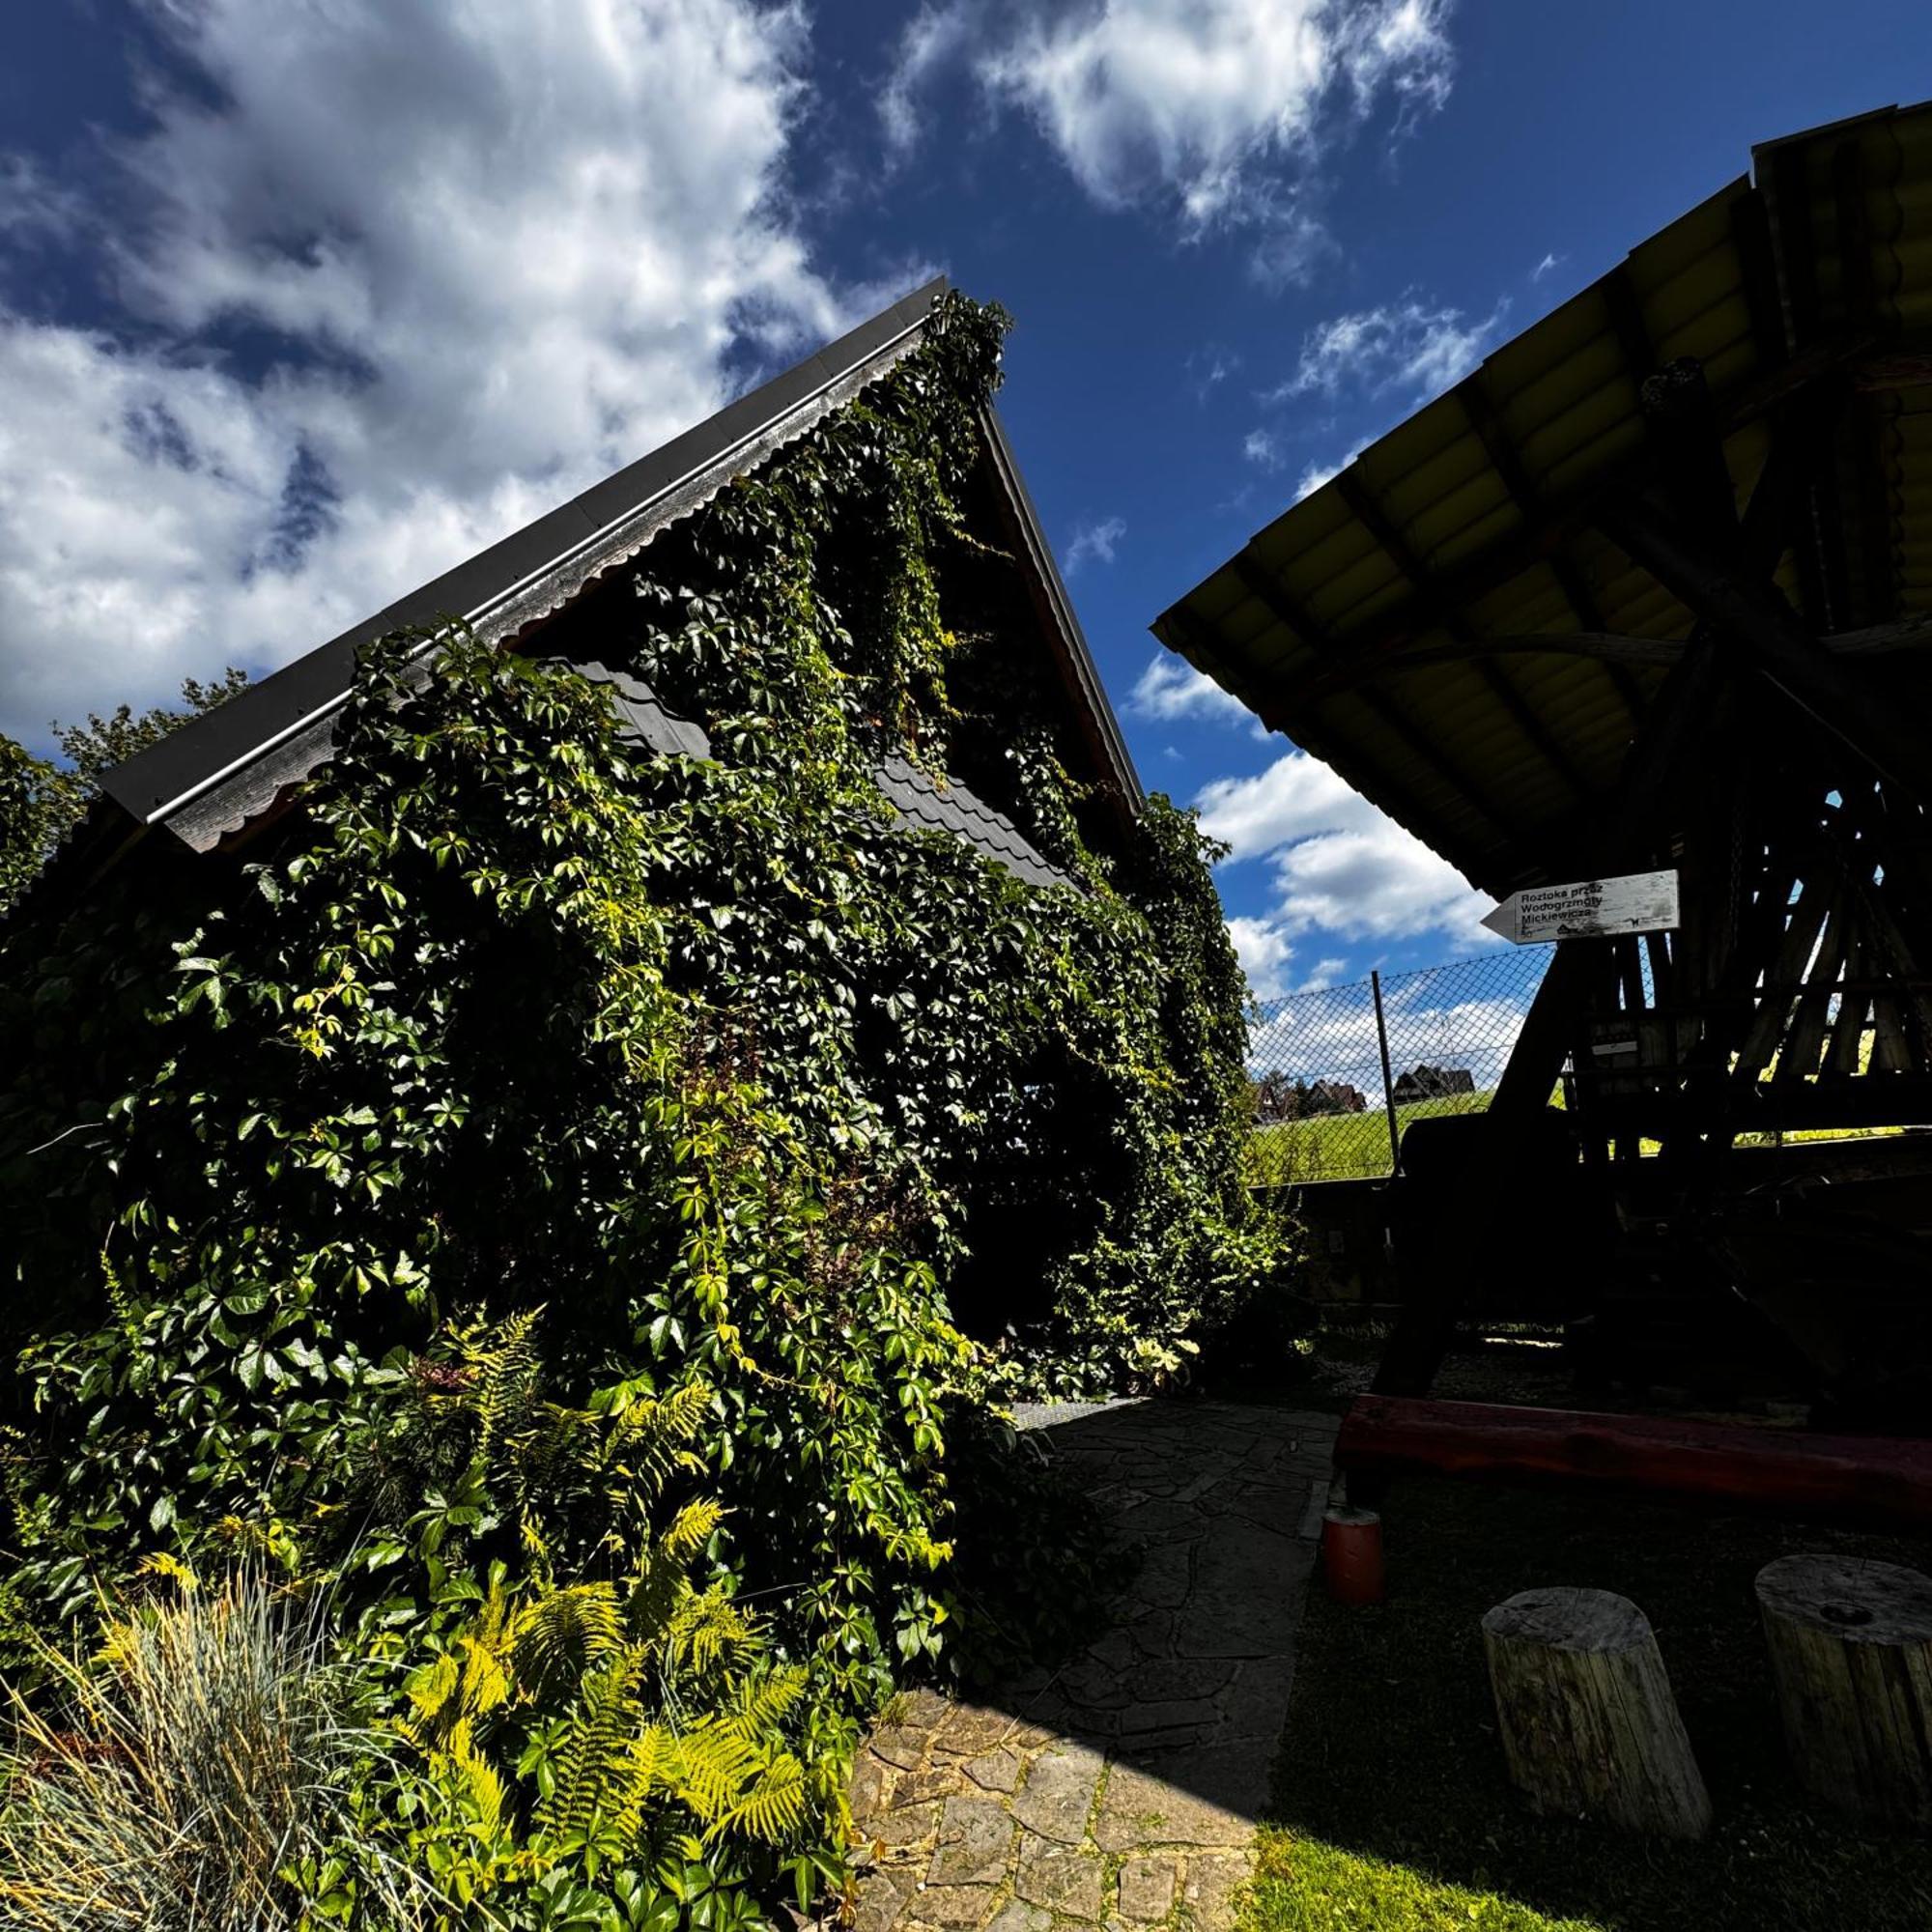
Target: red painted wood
{"points": [[1870, 1478]]}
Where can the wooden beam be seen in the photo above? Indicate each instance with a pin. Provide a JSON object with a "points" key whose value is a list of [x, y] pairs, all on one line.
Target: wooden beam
{"points": [[1524, 494], [1561, 518], [1758, 265], [1355, 493], [1909, 634], [1286, 608], [1693, 474], [1659, 762], [1840, 1478], [1627, 323], [1778, 644]]}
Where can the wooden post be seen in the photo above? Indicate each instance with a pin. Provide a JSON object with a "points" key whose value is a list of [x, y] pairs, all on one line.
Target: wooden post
{"points": [[1589, 1721], [1851, 1651]]}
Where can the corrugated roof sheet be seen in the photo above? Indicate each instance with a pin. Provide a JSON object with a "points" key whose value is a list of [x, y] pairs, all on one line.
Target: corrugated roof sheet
{"points": [[1371, 621]]}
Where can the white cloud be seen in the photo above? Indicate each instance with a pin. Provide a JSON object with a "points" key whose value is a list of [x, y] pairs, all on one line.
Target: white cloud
{"points": [[1094, 540], [1379, 882], [1544, 267], [1268, 449], [1339, 863], [1209, 367], [1170, 688], [1314, 475], [1406, 351], [1405, 348], [1263, 951], [494, 253], [1295, 798], [1220, 110], [1264, 447], [932, 38], [1318, 470]]}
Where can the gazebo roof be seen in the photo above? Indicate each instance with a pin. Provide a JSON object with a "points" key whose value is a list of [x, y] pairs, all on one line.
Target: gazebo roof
{"points": [[1472, 619]]}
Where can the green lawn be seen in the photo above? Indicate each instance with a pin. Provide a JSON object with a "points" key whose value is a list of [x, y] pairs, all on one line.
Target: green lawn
{"points": [[1392, 1810], [1336, 1147]]}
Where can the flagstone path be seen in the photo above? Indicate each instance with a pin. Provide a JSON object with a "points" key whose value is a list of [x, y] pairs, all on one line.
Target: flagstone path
{"points": [[1120, 1791]]}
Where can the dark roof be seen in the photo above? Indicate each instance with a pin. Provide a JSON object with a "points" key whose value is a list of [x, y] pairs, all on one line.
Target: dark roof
{"points": [[954, 807], [928, 804], [642, 719], [1451, 623], [213, 774]]}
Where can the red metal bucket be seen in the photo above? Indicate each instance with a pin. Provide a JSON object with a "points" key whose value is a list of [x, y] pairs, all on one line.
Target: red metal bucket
{"points": [[1351, 1554]]}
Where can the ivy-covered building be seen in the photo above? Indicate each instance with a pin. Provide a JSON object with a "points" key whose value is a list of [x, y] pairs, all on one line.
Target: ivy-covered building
{"points": [[820, 690], [519, 1119]]}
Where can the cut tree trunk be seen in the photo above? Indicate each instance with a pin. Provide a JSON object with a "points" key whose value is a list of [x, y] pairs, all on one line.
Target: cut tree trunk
{"points": [[1851, 1650], [1589, 1721]]}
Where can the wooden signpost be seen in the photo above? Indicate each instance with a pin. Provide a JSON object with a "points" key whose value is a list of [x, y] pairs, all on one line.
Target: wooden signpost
{"points": [[1589, 909]]}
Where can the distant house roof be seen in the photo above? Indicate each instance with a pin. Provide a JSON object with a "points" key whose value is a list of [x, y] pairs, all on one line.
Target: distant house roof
{"points": [[1458, 623], [210, 778]]}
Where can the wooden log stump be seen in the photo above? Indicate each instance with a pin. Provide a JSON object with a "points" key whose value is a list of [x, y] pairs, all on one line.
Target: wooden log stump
{"points": [[1851, 1651], [1589, 1721]]}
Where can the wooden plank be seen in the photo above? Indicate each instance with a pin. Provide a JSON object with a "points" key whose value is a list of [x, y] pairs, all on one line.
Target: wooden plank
{"points": [[1798, 1052], [1780, 646], [1844, 1050], [1355, 493], [1865, 1478]]}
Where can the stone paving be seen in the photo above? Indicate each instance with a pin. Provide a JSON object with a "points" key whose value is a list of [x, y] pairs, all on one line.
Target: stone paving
{"points": [[1120, 1791]]}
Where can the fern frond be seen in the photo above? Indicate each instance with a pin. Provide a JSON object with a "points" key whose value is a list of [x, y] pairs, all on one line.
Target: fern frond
{"points": [[765, 1702], [653, 1768], [715, 1764], [562, 1635], [592, 1770], [649, 1440], [772, 1808], [690, 1529], [704, 1630]]}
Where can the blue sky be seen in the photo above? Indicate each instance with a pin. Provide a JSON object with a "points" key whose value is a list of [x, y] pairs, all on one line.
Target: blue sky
{"points": [[301, 304]]}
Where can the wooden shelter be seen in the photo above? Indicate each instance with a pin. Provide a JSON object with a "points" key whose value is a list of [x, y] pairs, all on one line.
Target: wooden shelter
{"points": [[1653, 587]]}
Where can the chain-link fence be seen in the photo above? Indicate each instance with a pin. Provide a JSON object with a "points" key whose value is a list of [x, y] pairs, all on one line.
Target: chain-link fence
{"points": [[1333, 1067]]}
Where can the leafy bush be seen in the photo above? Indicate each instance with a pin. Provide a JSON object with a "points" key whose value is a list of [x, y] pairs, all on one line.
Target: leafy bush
{"points": [[524, 1197]]}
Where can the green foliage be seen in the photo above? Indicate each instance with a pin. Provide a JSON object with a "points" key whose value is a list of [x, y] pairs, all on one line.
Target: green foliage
{"points": [[531, 1192]]}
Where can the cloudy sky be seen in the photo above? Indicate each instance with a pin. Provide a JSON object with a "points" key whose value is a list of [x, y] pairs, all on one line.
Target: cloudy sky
{"points": [[301, 301]]}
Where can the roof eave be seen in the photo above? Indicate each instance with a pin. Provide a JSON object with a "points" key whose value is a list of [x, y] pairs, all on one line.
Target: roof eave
{"points": [[515, 582]]}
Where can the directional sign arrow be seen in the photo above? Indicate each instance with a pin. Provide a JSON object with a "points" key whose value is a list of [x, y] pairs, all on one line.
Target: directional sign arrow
{"points": [[1589, 909]]}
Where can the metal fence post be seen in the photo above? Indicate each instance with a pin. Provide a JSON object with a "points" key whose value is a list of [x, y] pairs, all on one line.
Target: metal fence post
{"points": [[1389, 1085]]}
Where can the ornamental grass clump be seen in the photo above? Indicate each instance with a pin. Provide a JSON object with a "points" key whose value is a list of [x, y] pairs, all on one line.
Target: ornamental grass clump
{"points": [[175, 1781]]}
